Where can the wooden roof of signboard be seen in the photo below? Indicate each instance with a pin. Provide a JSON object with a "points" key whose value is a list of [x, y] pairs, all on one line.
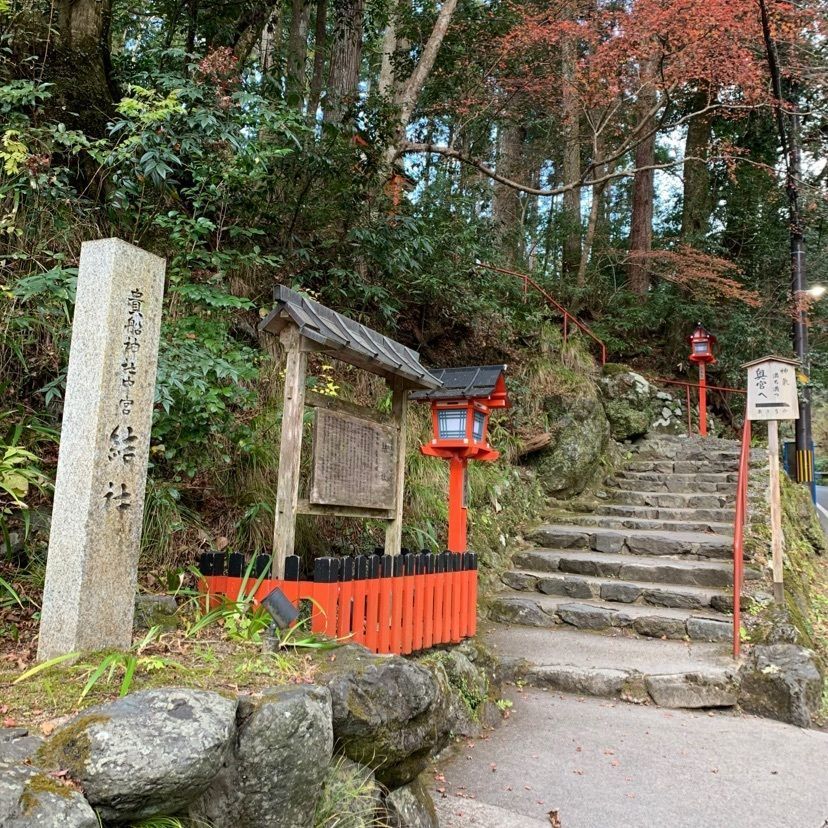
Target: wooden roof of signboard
{"points": [[347, 340], [786, 360], [471, 382]]}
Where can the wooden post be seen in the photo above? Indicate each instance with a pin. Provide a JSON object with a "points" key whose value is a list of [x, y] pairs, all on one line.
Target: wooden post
{"points": [[775, 510], [399, 409], [290, 450]]}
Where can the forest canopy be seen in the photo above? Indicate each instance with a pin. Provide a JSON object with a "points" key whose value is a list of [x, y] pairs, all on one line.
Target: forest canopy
{"points": [[373, 152]]}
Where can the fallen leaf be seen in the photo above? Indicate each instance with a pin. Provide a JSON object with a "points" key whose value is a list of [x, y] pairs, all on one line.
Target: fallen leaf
{"points": [[554, 819]]}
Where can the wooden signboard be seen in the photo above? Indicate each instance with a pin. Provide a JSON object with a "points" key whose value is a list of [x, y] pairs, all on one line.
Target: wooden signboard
{"points": [[772, 396], [354, 462], [771, 390]]}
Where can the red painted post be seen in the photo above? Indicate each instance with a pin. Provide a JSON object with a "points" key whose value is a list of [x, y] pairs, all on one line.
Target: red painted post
{"points": [[738, 537], [702, 399], [473, 596], [428, 563], [397, 600], [438, 616], [360, 597], [385, 587], [372, 604], [409, 587], [346, 593], [457, 504]]}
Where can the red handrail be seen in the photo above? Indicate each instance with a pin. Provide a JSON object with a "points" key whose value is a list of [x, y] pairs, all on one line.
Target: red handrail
{"points": [[739, 535], [567, 316]]}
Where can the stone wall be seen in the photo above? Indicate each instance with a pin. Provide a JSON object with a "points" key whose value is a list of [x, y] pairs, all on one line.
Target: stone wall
{"points": [[347, 750]]}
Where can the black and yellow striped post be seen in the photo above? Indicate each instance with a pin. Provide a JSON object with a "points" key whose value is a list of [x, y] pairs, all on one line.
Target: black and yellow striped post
{"points": [[804, 454]]}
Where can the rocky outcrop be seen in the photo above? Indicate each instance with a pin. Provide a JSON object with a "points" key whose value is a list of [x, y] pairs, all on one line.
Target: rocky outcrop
{"points": [[781, 681], [148, 753], [389, 713], [274, 774], [580, 433], [411, 807], [29, 797], [344, 752], [628, 401]]}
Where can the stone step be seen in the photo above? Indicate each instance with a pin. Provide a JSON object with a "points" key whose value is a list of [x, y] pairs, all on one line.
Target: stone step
{"points": [[630, 567], [681, 484], [668, 673], [619, 522], [671, 500], [674, 513], [703, 477], [636, 541], [594, 614], [681, 466], [615, 591]]}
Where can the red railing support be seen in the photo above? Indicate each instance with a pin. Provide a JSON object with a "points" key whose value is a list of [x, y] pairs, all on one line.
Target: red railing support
{"points": [[528, 280], [739, 536]]}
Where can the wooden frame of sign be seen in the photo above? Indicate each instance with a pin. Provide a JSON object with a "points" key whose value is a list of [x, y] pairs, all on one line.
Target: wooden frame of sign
{"points": [[304, 327]]}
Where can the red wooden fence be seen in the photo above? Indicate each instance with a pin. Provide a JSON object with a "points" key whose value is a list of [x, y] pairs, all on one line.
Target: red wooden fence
{"points": [[390, 604]]}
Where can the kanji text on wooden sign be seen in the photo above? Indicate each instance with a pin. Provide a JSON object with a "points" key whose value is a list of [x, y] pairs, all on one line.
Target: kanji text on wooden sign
{"points": [[353, 462], [771, 389]]}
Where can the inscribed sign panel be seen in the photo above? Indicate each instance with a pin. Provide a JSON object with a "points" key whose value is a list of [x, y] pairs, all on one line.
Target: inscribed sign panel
{"points": [[771, 390], [353, 462]]}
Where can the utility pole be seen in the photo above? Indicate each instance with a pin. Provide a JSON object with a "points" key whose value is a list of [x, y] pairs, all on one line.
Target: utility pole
{"points": [[804, 467], [790, 142]]}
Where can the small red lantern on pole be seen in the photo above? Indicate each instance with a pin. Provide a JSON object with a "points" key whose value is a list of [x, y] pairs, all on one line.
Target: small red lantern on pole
{"points": [[701, 352], [460, 422]]}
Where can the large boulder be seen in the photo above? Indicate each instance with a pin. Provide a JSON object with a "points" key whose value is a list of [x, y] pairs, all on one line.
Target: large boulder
{"points": [[579, 432], [411, 806], [29, 797], [274, 776], [627, 398], [389, 713], [781, 681], [149, 753]]}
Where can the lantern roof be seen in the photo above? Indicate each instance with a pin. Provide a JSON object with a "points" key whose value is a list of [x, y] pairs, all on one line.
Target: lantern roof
{"points": [[347, 340], [700, 332], [478, 382]]}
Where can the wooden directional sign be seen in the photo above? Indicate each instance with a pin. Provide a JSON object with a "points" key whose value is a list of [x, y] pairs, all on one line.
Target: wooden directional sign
{"points": [[354, 462], [771, 389]]}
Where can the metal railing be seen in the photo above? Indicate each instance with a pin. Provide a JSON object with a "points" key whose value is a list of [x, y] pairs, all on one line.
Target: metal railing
{"points": [[723, 389], [568, 318], [739, 536]]}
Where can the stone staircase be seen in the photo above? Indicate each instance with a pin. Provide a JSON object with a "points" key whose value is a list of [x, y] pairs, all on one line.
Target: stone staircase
{"points": [[651, 562]]}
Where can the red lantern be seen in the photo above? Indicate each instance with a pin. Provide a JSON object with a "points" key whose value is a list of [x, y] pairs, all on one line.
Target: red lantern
{"points": [[701, 352], [460, 422], [701, 345]]}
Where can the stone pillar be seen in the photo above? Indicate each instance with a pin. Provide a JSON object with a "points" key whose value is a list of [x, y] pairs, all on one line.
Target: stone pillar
{"points": [[91, 571]]}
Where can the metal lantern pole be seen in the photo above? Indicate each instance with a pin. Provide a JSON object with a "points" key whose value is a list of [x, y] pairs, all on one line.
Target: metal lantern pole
{"points": [[702, 399]]}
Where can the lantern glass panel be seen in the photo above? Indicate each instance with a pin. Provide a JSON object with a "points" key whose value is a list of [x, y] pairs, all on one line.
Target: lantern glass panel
{"points": [[478, 426], [452, 423], [700, 347]]}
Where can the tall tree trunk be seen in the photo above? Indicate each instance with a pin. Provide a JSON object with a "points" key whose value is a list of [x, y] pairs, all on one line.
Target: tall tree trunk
{"points": [[641, 223], [320, 37], [697, 204], [346, 56], [389, 47], [571, 217], [75, 59], [297, 54], [506, 206], [597, 225]]}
